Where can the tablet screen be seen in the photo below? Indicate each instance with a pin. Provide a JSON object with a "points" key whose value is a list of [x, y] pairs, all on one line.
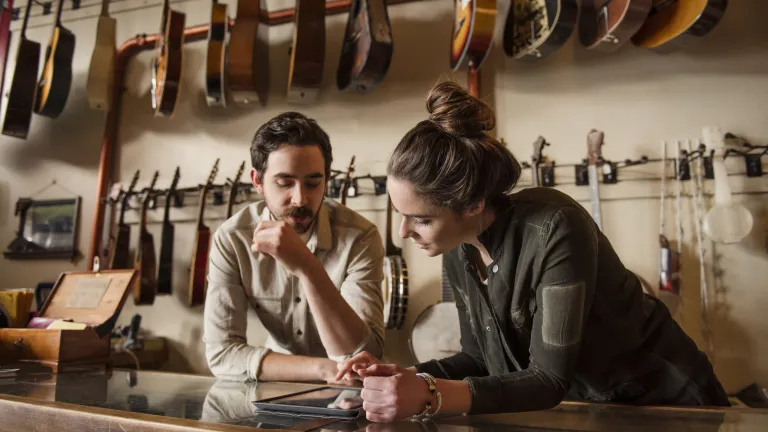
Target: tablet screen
{"points": [[335, 398]]}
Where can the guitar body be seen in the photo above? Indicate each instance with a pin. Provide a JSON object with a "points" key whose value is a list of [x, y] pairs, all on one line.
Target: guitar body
{"points": [[675, 24], [146, 284], [367, 48], [120, 256], [436, 332], [474, 23], [199, 269], [165, 267], [21, 96], [102, 66], [537, 28], [56, 80], [166, 80], [607, 28], [305, 74], [247, 58], [214, 70]]}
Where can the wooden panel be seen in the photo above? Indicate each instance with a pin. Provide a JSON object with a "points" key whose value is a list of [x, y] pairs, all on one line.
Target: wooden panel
{"points": [[17, 344]]}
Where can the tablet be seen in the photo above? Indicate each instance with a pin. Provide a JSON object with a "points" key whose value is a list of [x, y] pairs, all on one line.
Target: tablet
{"points": [[332, 402]]}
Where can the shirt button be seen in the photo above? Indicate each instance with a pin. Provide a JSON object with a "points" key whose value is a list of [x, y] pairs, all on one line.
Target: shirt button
{"points": [[495, 268], [298, 299], [298, 332]]}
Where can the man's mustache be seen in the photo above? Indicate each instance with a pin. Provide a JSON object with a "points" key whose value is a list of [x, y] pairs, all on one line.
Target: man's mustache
{"points": [[298, 212]]}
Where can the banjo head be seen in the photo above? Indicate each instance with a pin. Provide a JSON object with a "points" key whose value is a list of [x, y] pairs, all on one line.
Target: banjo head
{"points": [[436, 333]]}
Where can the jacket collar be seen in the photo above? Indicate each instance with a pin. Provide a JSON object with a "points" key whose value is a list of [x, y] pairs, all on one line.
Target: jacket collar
{"points": [[493, 236]]}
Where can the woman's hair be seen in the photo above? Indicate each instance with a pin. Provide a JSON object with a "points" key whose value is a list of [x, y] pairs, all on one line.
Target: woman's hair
{"points": [[449, 159]]}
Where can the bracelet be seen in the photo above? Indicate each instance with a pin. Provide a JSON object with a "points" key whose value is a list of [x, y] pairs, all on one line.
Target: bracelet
{"points": [[432, 386]]}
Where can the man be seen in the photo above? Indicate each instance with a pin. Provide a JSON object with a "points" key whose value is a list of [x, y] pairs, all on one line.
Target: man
{"points": [[310, 268]]}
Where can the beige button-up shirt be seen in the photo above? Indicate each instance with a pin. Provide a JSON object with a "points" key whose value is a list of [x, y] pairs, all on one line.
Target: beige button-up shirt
{"points": [[352, 252]]}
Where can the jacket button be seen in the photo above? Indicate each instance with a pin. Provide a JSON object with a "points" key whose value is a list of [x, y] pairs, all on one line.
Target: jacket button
{"points": [[487, 328], [495, 268]]}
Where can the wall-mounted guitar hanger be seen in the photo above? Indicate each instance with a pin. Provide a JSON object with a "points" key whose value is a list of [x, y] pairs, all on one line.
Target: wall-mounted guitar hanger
{"points": [[130, 49]]}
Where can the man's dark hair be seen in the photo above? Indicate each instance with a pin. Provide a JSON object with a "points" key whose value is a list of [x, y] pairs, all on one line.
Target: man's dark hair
{"points": [[288, 128]]}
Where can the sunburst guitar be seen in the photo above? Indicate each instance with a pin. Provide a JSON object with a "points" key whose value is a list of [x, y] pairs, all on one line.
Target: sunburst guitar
{"points": [[675, 24], [474, 21], [606, 26], [537, 28]]}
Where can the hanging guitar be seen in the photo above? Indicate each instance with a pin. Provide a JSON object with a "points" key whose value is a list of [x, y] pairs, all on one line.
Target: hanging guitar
{"points": [[537, 28], [145, 263], [367, 48], [233, 189], [347, 182], [120, 240], [608, 25], [5, 39], [199, 268], [214, 65], [436, 332], [675, 24], [56, 79], [21, 97], [394, 287], [166, 66], [165, 267], [248, 57], [102, 66], [473, 27], [305, 73], [537, 159]]}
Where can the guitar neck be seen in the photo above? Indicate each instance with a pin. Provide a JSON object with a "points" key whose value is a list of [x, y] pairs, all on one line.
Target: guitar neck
{"points": [[594, 189], [143, 217], [231, 200], [123, 207], [201, 207], [26, 20], [59, 9], [105, 8]]}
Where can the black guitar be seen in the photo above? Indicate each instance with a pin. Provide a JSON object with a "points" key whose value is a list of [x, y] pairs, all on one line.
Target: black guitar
{"points": [[367, 48], [21, 98], [56, 79], [120, 240], [165, 268]]}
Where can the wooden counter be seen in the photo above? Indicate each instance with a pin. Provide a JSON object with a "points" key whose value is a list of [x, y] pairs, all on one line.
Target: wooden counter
{"points": [[126, 400]]}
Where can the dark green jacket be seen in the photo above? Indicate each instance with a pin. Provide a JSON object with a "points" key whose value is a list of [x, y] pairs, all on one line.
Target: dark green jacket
{"points": [[561, 317]]}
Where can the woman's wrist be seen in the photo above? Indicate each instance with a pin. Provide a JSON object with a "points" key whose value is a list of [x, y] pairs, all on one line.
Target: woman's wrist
{"points": [[456, 396]]}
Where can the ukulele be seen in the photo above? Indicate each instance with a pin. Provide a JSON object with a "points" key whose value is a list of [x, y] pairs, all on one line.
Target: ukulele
{"points": [[305, 73], [166, 67], [101, 69], [367, 48], [673, 24], [5, 39], [56, 79], [145, 261], [233, 188], [537, 28], [607, 25], [594, 158], [199, 268], [474, 23], [248, 57], [21, 97], [120, 240], [165, 267], [214, 65]]}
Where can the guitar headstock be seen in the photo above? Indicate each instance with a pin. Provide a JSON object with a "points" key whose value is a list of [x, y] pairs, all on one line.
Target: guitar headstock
{"points": [[154, 181], [133, 182], [594, 146], [175, 181], [212, 175], [538, 149], [239, 174]]}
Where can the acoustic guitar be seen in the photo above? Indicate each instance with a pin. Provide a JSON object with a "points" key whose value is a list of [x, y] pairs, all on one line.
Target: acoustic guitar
{"points": [[394, 287], [675, 24], [120, 240], [199, 268], [474, 23], [167, 63], [56, 79], [102, 66], [305, 73], [607, 25], [248, 57], [21, 97], [367, 48], [436, 332], [165, 267], [108, 242], [5, 39], [234, 186], [214, 64], [537, 28], [145, 262]]}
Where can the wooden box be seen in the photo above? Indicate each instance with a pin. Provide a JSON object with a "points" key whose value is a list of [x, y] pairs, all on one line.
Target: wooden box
{"points": [[74, 326]]}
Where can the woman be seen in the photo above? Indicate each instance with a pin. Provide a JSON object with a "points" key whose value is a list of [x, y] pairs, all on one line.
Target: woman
{"points": [[547, 310]]}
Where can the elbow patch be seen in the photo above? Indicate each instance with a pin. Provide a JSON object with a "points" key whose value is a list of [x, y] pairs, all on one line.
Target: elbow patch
{"points": [[563, 311]]}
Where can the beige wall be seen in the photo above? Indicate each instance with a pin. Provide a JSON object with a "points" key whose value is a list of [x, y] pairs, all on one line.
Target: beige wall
{"points": [[638, 98]]}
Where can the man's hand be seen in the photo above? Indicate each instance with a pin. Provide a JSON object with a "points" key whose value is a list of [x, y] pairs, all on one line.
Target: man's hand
{"points": [[347, 370], [327, 372], [279, 240]]}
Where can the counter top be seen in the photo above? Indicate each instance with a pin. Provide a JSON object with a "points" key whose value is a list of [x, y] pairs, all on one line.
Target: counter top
{"points": [[159, 401]]}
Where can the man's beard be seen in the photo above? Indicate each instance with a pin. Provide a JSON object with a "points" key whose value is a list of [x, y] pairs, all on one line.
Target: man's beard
{"points": [[297, 212]]}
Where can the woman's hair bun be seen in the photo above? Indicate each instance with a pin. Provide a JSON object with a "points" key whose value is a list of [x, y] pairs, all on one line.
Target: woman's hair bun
{"points": [[457, 112]]}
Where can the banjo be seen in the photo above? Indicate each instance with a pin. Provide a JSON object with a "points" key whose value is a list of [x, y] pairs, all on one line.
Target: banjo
{"points": [[436, 333], [394, 287]]}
